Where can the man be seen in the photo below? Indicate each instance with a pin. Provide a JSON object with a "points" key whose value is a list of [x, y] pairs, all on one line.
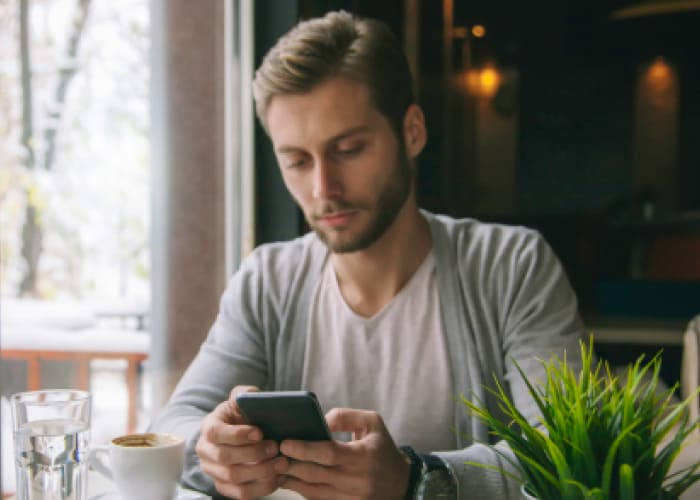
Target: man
{"points": [[388, 313]]}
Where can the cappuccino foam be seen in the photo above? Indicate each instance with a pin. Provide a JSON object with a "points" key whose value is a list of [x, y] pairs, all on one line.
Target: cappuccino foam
{"points": [[146, 440]]}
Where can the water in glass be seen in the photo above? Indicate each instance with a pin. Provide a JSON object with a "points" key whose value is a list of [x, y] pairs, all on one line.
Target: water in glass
{"points": [[51, 458]]}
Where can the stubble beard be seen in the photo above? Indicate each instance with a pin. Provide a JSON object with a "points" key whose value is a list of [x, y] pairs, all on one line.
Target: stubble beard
{"points": [[390, 202]]}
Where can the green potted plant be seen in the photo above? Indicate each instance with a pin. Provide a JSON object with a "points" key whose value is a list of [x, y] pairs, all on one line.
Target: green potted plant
{"points": [[599, 437]]}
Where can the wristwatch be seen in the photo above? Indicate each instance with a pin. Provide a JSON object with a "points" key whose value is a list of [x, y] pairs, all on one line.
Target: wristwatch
{"points": [[429, 479]]}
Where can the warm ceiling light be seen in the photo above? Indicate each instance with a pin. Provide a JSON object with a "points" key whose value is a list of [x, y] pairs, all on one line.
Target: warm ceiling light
{"points": [[478, 31], [489, 80], [659, 72], [659, 69], [483, 82]]}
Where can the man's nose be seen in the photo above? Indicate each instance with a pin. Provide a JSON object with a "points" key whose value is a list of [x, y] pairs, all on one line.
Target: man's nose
{"points": [[326, 180]]}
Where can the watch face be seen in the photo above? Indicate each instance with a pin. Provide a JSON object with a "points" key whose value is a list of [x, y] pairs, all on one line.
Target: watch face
{"points": [[437, 484]]}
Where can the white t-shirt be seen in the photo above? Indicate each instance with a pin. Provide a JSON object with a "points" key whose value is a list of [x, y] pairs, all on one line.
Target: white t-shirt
{"points": [[394, 362]]}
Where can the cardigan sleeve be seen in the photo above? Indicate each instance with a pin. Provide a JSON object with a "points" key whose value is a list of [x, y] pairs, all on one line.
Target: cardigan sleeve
{"points": [[539, 319], [232, 354]]}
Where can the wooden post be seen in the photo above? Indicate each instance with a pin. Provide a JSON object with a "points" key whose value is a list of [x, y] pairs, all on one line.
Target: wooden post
{"points": [[82, 377], [33, 373], [132, 381]]}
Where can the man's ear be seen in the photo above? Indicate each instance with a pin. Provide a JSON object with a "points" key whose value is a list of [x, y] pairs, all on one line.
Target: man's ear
{"points": [[414, 133]]}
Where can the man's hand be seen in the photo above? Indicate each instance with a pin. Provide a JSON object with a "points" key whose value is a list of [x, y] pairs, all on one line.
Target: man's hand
{"points": [[368, 467], [234, 455]]}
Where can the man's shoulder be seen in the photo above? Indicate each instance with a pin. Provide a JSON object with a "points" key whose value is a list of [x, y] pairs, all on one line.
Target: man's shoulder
{"points": [[282, 250], [488, 254], [284, 258], [272, 271], [473, 233]]}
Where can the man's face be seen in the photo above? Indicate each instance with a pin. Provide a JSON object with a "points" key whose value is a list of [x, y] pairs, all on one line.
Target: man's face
{"points": [[341, 161]]}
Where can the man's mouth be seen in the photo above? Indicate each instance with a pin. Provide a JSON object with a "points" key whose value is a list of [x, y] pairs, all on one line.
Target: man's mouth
{"points": [[336, 219]]}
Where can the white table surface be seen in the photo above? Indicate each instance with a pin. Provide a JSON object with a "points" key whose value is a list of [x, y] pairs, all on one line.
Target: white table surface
{"points": [[101, 488]]}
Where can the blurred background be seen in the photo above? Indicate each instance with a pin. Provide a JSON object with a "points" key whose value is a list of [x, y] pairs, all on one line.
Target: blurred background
{"points": [[133, 177], [580, 119], [75, 177]]}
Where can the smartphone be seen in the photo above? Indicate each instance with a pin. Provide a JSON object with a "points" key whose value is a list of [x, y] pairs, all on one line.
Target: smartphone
{"points": [[285, 415]]}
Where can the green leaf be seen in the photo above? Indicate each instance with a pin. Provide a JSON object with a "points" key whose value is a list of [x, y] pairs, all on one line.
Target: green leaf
{"points": [[626, 482], [600, 435]]}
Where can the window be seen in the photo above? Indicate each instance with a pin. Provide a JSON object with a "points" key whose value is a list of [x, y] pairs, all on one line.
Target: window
{"points": [[74, 203]]}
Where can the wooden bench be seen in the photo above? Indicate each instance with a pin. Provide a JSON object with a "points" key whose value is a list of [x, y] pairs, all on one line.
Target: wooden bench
{"points": [[79, 347]]}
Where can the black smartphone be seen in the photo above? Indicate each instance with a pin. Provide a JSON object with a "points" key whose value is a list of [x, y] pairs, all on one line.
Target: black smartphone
{"points": [[285, 415]]}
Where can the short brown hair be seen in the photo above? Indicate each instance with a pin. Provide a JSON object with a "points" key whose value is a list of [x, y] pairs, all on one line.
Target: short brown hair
{"points": [[338, 44]]}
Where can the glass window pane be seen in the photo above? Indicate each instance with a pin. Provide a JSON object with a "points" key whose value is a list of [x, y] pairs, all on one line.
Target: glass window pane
{"points": [[74, 206]]}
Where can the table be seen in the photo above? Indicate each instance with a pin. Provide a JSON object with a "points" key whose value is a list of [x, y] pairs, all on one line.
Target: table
{"points": [[98, 485], [101, 488], [689, 456]]}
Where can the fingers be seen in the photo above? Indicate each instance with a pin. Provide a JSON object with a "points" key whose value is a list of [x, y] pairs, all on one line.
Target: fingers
{"points": [[369, 467], [241, 474], [219, 432], [236, 473], [312, 491], [232, 455], [228, 410], [225, 425], [249, 491], [236, 391], [333, 476], [359, 422], [240, 389], [311, 473], [319, 452]]}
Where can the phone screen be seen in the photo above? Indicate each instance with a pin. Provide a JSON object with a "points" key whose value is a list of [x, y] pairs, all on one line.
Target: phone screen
{"points": [[285, 415]]}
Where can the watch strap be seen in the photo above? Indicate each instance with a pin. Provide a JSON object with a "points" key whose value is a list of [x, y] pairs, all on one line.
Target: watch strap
{"points": [[417, 466], [433, 462]]}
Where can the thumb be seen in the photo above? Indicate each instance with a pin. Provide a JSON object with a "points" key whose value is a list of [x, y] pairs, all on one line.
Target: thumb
{"points": [[240, 389], [236, 391], [359, 422]]}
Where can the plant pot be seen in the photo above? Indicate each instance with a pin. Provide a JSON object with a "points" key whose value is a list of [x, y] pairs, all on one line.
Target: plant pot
{"points": [[525, 494]]}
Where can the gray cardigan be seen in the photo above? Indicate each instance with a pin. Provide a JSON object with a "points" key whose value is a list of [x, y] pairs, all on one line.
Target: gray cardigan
{"points": [[503, 297]]}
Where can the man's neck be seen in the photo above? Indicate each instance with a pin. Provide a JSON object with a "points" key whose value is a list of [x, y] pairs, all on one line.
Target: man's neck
{"points": [[370, 278]]}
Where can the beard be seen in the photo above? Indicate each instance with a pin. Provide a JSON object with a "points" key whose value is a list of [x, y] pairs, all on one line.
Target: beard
{"points": [[387, 207]]}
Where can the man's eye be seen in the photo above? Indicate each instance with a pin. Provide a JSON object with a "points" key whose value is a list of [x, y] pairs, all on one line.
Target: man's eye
{"points": [[295, 163], [350, 151]]}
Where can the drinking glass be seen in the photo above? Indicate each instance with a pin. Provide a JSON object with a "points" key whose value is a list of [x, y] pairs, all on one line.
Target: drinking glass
{"points": [[51, 432]]}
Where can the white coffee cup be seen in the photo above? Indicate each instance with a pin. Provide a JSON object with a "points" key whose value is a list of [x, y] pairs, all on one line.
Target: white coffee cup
{"points": [[142, 465]]}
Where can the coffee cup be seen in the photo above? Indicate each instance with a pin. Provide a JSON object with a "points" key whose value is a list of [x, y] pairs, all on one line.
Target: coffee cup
{"points": [[142, 465]]}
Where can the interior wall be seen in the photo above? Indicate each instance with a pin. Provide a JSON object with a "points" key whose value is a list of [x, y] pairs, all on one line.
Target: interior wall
{"points": [[575, 131], [656, 132], [496, 148], [188, 243]]}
